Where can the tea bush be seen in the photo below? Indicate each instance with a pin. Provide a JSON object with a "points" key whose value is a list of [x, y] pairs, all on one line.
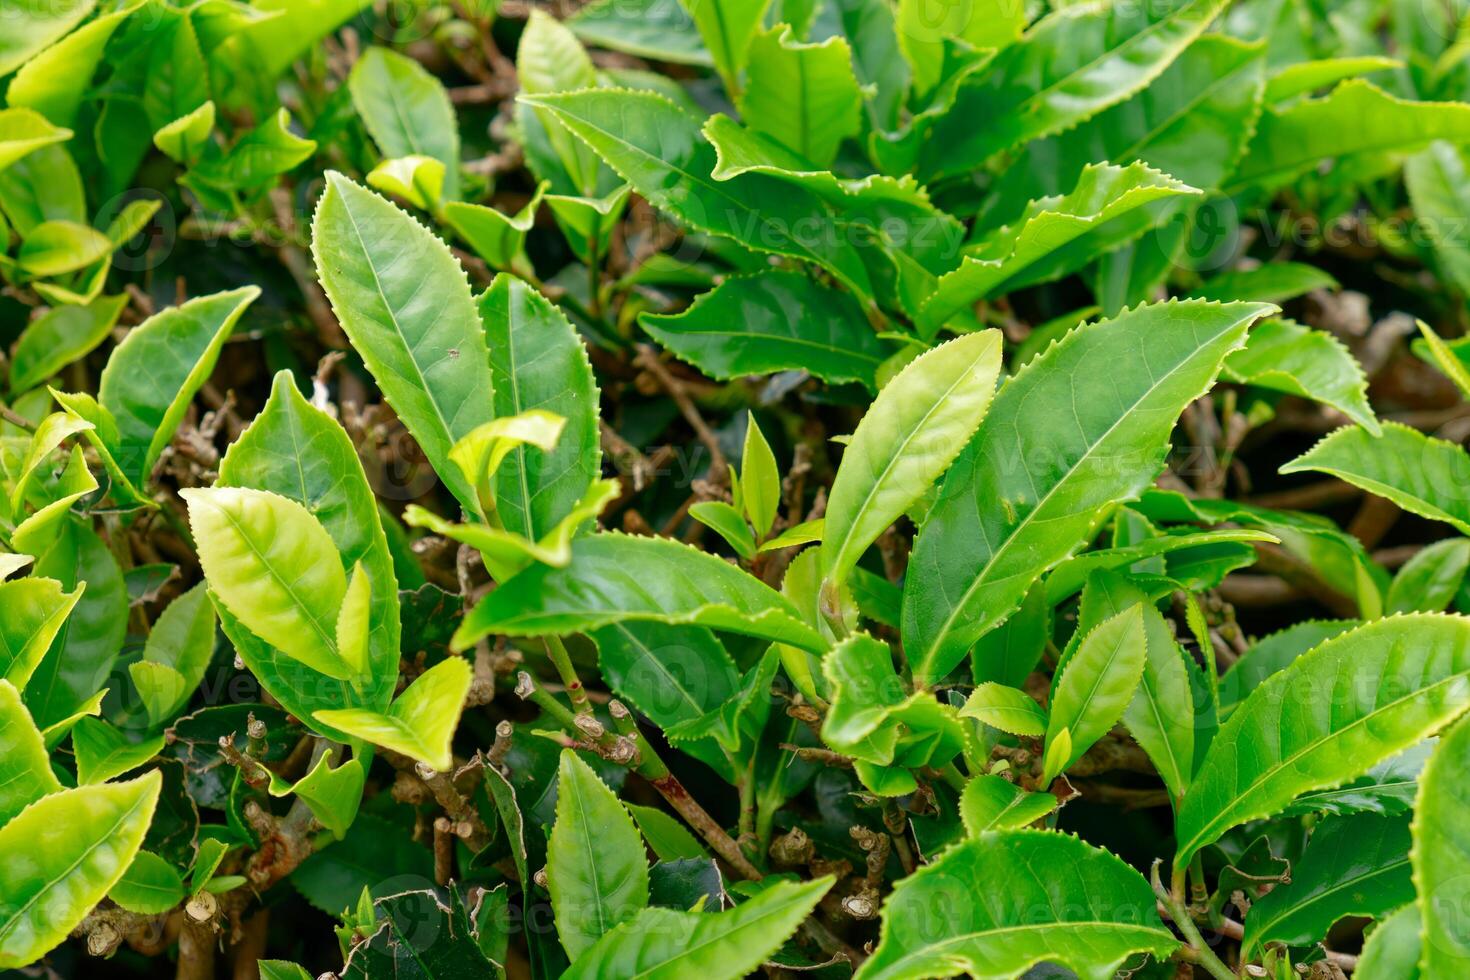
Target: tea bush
{"points": [[698, 488]]}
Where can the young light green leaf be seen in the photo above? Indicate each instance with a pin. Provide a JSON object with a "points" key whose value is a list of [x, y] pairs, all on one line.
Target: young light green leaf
{"points": [[1439, 857], [616, 577], [1054, 236], [1007, 708], [23, 131], [413, 321], [54, 429], [991, 914], [1306, 77], [1070, 66], [724, 945], [538, 361], [153, 375], [25, 771], [1415, 471], [406, 110], [55, 248], [294, 27], [354, 626], [760, 479], [273, 566], [1097, 439], [550, 59], [421, 722], [1388, 685], [35, 24], [991, 803], [595, 868], [1095, 685], [1444, 357], [35, 609], [912, 432], [875, 720], [104, 751], [497, 238], [1284, 356], [332, 793], [804, 95], [176, 654], [775, 320], [303, 454], [62, 854], [419, 181], [728, 522], [1356, 865], [150, 886]]}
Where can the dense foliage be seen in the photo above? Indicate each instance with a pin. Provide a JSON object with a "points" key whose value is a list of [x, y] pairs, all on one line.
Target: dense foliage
{"points": [[693, 488]]}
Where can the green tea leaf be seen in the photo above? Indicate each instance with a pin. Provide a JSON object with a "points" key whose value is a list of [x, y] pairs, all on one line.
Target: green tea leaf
{"points": [[153, 375], [104, 751], [772, 321], [992, 803], [406, 110], [414, 322], [1284, 356], [33, 25], [1389, 684], [659, 148], [1355, 865], [804, 95], [35, 609], [301, 453], [1415, 471], [537, 361], [1428, 581], [181, 642], [1392, 949], [998, 525], [595, 868], [1439, 857], [1054, 236], [989, 910], [721, 946], [150, 886], [1436, 179], [275, 568], [1094, 686], [727, 27], [62, 855], [63, 335], [420, 723], [1007, 708], [616, 577], [1355, 118], [25, 771], [1069, 66], [915, 428]]}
